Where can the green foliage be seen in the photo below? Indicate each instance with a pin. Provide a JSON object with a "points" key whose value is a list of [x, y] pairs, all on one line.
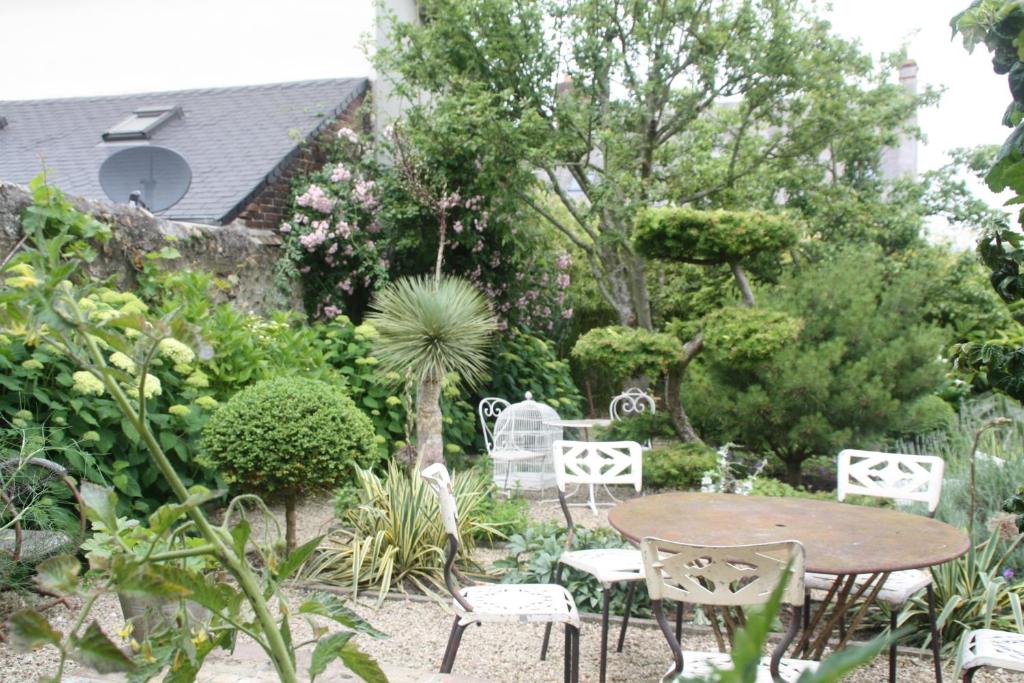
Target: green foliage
{"points": [[623, 352], [708, 237], [681, 466], [533, 558], [638, 427], [505, 515], [970, 593], [743, 335], [525, 363], [767, 486], [863, 360], [430, 329], [288, 436], [115, 341], [395, 535]]}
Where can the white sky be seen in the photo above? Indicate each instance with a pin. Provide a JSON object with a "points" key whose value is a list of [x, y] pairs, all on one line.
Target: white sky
{"points": [[64, 48]]}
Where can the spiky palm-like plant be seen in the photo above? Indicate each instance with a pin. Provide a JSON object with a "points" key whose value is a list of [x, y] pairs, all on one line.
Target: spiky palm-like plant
{"points": [[427, 329]]}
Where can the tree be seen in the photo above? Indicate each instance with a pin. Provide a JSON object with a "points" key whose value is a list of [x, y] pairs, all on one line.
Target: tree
{"points": [[428, 329], [848, 360], [620, 105]]}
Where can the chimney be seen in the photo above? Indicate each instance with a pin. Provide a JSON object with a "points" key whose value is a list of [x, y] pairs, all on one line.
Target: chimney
{"points": [[901, 160], [908, 75]]}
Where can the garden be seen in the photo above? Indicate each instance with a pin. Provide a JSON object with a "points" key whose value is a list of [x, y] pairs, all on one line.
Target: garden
{"points": [[580, 332]]}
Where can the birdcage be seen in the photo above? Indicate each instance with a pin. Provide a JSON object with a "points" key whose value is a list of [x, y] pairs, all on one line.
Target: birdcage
{"points": [[523, 436]]}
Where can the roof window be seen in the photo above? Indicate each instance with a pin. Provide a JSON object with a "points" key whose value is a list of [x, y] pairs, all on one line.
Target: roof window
{"points": [[141, 124], [3, 122]]}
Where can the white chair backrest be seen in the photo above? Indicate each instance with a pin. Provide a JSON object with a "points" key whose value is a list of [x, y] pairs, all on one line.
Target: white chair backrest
{"points": [[722, 575], [489, 409], [437, 478], [631, 402], [598, 462], [891, 475]]}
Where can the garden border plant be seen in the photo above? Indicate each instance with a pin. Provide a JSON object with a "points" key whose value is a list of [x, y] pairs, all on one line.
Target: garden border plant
{"points": [[44, 297]]}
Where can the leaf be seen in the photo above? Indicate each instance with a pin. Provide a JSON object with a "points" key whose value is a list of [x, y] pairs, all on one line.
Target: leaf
{"points": [[841, 663], [240, 536], [327, 650], [100, 504], [331, 606], [296, 558], [58, 574], [29, 630], [361, 664], [96, 650]]}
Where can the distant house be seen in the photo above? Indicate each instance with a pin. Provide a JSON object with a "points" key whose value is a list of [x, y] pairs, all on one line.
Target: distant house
{"points": [[243, 144]]}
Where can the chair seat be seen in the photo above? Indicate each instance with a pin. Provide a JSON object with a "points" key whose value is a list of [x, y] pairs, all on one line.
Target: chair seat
{"points": [[896, 591], [607, 565], [988, 647], [518, 603], [702, 664]]}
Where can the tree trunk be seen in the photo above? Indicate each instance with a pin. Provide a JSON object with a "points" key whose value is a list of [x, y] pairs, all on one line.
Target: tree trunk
{"points": [[429, 425], [673, 400], [673, 389], [743, 283], [793, 467], [289, 522]]}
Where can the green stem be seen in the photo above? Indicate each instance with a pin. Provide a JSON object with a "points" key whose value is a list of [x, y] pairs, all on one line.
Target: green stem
{"points": [[86, 608], [237, 566], [181, 554]]}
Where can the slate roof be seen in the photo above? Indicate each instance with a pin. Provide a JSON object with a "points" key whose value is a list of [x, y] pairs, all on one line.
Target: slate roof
{"points": [[235, 139]]}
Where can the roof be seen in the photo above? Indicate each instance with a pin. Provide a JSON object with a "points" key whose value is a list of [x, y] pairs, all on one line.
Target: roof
{"points": [[235, 139]]}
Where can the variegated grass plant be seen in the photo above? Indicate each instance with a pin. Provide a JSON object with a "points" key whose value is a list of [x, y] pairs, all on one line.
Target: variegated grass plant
{"points": [[393, 538]]}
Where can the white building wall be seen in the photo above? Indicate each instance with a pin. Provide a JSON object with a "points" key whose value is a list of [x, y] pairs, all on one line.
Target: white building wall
{"points": [[387, 105]]}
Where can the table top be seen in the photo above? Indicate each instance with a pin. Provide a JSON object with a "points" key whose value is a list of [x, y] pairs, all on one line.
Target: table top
{"points": [[579, 424], [838, 538]]}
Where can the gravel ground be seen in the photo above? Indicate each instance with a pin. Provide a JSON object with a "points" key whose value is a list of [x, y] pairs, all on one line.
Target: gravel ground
{"points": [[500, 653]]}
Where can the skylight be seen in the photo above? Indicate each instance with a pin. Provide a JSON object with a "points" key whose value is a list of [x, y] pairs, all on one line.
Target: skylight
{"points": [[141, 124]]}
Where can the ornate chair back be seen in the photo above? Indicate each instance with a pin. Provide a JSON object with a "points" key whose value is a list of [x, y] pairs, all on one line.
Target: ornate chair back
{"points": [[898, 476], [631, 402], [724, 576], [595, 462], [440, 483], [488, 410]]}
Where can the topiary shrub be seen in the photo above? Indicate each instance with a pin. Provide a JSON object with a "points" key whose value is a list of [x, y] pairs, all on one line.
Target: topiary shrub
{"points": [[678, 467], [743, 335], [708, 237], [286, 436]]}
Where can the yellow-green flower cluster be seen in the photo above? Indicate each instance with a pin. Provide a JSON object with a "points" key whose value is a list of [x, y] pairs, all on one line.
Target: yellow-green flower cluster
{"points": [[179, 410], [32, 364], [91, 436], [176, 351], [87, 383], [151, 386], [198, 379], [208, 402], [120, 360]]}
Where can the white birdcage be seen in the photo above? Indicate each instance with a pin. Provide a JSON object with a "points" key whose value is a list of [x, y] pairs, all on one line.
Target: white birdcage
{"points": [[523, 438]]}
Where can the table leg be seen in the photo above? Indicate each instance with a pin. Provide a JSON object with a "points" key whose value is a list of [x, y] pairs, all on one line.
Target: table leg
{"points": [[593, 502], [817, 632]]}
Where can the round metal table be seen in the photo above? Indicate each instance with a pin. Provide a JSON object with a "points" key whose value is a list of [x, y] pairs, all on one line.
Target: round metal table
{"points": [[840, 539]]}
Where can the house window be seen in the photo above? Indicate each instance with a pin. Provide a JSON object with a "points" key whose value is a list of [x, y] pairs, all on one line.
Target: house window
{"points": [[3, 122], [141, 124]]}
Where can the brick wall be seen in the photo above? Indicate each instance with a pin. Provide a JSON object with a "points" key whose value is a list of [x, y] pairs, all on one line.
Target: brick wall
{"points": [[268, 209]]}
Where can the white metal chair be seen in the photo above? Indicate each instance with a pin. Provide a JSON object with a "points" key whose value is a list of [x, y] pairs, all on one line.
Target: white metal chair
{"points": [[901, 477], [726, 576], [499, 603], [588, 462], [988, 647], [632, 402], [488, 410]]}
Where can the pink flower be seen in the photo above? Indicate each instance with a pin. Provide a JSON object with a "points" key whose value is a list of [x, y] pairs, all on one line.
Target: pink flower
{"points": [[564, 261], [316, 198], [457, 227], [285, 228], [363, 193], [331, 312], [563, 280], [348, 134], [567, 313], [373, 227], [340, 174], [300, 218]]}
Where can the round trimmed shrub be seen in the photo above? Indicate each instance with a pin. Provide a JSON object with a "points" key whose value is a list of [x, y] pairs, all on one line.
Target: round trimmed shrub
{"points": [[286, 436]]}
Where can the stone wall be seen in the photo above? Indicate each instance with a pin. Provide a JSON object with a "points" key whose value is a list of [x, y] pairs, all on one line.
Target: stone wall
{"points": [[241, 255], [268, 209]]}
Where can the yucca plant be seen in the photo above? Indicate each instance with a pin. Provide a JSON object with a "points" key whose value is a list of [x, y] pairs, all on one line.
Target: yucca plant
{"points": [[970, 593], [394, 535], [429, 328]]}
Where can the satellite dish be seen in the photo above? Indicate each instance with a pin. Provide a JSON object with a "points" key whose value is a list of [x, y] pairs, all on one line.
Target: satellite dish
{"points": [[161, 175]]}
